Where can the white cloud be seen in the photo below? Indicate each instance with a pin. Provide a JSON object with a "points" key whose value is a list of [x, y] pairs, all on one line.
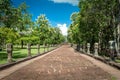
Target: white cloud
{"points": [[63, 28], [73, 2]]}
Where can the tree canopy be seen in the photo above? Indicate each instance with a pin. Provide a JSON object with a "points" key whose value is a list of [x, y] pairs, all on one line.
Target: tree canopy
{"points": [[17, 27], [96, 21]]}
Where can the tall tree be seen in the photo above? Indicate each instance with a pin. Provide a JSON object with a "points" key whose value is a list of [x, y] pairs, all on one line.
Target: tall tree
{"points": [[97, 21], [43, 28]]}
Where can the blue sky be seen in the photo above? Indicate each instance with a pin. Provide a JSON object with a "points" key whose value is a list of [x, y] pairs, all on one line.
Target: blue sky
{"points": [[57, 11]]}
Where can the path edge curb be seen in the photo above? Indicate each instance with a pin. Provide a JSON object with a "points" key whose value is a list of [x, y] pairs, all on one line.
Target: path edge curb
{"points": [[111, 63]]}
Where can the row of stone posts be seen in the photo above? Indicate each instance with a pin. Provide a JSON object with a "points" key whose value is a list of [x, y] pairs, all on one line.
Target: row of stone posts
{"points": [[96, 46], [9, 48], [95, 49]]}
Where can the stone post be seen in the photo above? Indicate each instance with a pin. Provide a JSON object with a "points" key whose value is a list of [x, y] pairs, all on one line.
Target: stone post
{"points": [[112, 48], [96, 49], [29, 49], [83, 48], [38, 47], [88, 48], [9, 48], [80, 47]]}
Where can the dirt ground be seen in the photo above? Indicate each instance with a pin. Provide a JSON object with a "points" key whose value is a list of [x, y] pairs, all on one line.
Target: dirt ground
{"points": [[62, 64]]}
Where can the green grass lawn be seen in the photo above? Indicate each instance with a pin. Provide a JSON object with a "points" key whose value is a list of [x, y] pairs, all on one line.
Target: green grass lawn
{"points": [[20, 53], [117, 60]]}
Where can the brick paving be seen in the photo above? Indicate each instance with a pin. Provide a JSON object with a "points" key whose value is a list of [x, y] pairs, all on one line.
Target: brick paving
{"points": [[62, 64]]}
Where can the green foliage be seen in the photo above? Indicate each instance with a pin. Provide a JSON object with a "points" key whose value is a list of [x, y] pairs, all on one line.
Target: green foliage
{"points": [[8, 35], [43, 27], [114, 78], [73, 32], [95, 22], [5, 12], [46, 33], [16, 26]]}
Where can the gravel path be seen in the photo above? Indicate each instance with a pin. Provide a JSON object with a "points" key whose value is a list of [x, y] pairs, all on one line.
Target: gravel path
{"points": [[61, 64]]}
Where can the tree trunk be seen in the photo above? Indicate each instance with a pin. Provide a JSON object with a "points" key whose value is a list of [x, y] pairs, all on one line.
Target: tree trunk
{"points": [[21, 44]]}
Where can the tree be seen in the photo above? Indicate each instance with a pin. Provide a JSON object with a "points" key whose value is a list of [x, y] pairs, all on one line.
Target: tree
{"points": [[73, 31], [43, 28], [97, 21], [5, 12], [7, 35], [17, 19], [24, 22]]}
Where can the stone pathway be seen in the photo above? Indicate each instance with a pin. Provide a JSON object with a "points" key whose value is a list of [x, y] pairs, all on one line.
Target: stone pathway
{"points": [[61, 64]]}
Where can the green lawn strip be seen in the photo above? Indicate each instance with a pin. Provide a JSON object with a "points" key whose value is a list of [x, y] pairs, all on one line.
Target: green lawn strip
{"points": [[117, 60], [114, 78], [3, 57], [20, 53]]}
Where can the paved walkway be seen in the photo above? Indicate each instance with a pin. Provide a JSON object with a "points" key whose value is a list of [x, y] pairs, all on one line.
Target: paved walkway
{"points": [[61, 64]]}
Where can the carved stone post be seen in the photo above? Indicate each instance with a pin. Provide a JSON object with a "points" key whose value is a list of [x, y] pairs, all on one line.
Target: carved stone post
{"points": [[96, 49], [83, 48], [112, 48], [29, 49], [9, 47], [80, 47], [38, 47], [88, 48]]}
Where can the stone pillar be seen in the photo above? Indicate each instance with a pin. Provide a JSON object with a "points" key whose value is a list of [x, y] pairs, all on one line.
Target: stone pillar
{"points": [[88, 48], [96, 49], [80, 47], [83, 48], [29, 49], [112, 48], [38, 47], [9, 48]]}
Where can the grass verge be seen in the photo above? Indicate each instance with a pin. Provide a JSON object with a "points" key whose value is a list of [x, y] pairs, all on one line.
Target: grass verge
{"points": [[20, 53]]}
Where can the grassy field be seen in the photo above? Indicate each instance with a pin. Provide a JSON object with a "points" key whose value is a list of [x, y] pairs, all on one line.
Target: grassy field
{"points": [[20, 53], [117, 60]]}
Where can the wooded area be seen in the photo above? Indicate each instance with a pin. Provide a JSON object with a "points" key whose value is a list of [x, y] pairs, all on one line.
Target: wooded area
{"points": [[17, 27], [97, 21]]}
